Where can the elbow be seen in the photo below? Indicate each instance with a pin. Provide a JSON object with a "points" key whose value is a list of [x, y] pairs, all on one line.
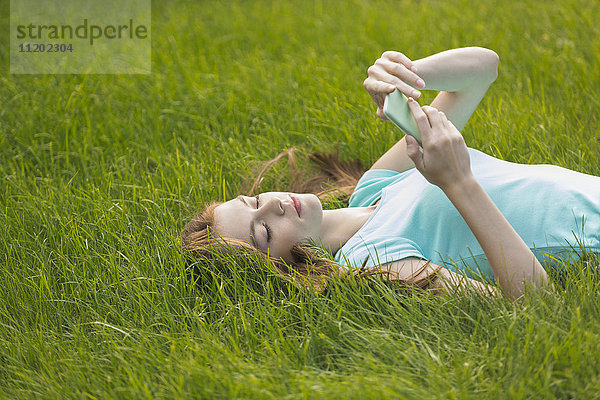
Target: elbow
{"points": [[483, 65], [489, 62]]}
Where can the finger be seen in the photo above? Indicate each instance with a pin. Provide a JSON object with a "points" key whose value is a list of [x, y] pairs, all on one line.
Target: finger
{"points": [[421, 119], [444, 119], [374, 85], [451, 125], [401, 71], [435, 119], [380, 74], [413, 151], [399, 57]]}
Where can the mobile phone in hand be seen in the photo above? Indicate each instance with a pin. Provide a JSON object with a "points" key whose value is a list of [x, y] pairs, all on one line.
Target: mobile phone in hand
{"points": [[395, 107]]}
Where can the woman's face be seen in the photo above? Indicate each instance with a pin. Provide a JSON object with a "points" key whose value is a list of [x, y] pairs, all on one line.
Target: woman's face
{"points": [[270, 221]]}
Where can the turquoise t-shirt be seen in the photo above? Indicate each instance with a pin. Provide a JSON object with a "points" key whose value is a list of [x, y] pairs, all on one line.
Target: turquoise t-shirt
{"points": [[555, 210]]}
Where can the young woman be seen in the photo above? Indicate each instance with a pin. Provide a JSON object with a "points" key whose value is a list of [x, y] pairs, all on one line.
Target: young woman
{"points": [[438, 215]]}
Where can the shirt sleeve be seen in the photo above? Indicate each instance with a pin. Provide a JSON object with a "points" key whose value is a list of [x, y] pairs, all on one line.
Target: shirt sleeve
{"points": [[369, 187], [379, 251]]}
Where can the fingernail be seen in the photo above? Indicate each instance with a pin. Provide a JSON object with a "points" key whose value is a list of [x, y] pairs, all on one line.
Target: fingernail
{"points": [[410, 100], [420, 82], [413, 69], [416, 94]]}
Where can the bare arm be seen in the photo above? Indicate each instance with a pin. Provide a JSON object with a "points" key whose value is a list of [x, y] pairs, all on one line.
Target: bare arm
{"points": [[461, 75], [440, 279], [444, 161]]}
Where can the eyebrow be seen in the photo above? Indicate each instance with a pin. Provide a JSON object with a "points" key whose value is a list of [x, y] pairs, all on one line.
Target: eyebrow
{"points": [[252, 229]]}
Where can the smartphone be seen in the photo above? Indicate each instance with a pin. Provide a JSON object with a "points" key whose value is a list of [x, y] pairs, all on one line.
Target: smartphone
{"points": [[395, 107]]}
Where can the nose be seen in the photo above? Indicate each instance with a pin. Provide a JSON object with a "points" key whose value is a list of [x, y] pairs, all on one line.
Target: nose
{"points": [[273, 205]]}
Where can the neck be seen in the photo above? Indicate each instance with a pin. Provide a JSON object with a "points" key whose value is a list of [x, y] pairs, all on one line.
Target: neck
{"points": [[341, 224]]}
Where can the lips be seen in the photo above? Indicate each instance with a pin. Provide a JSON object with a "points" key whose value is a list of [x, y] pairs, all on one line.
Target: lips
{"points": [[297, 205]]}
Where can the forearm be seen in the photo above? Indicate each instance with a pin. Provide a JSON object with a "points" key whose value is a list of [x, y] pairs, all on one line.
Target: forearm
{"points": [[451, 282], [511, 259], [457, 69]]}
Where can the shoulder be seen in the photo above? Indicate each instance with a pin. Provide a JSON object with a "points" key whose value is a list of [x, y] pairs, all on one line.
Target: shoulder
{"points": [[368, 189]]}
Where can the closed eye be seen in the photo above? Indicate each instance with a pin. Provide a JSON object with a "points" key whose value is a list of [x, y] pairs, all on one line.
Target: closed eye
{"points": [[257, 197]]}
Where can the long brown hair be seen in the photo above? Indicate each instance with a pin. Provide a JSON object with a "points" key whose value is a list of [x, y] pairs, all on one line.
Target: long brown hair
{"points": [[311, 268]]}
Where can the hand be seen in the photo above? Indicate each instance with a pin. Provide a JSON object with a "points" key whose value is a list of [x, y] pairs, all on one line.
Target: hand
{"points": [[443, 160], [392, 71]]}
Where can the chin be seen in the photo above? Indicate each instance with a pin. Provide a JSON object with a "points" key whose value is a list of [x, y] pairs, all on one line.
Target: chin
{"points": [[315, 205]]}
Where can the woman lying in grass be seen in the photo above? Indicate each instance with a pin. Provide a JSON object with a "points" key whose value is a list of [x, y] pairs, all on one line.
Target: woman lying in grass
{"points": [[423, 215]]}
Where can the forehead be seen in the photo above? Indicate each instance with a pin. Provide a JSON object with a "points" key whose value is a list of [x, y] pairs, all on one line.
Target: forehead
{"points": [[232, 219]]}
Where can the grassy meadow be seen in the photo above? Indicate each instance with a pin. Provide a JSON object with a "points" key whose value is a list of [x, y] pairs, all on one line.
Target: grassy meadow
{"points": [[99, 173]]}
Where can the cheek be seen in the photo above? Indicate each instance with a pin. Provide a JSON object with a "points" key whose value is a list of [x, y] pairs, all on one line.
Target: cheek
{"points": [[288, 236]]}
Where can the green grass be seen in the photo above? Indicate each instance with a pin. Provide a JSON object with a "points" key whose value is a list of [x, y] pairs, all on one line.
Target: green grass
{"points": [[100, 173]]}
